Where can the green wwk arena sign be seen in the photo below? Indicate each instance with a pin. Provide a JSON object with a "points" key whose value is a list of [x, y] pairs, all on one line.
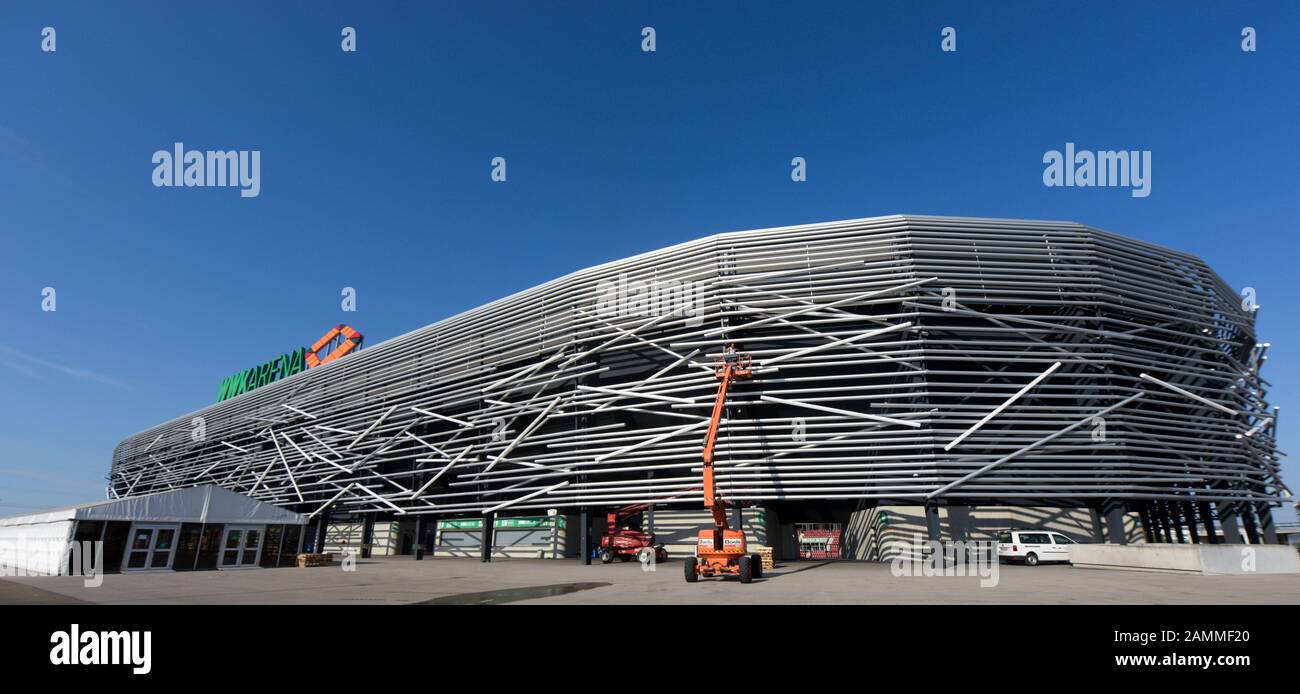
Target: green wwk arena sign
{"points": [[283, 366]]}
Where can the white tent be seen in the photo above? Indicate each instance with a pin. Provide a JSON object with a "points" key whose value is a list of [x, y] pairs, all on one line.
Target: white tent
{"points": [[37, 543]]}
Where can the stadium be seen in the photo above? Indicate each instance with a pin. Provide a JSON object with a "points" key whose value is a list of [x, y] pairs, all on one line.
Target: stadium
{"points": [[946, 377]]}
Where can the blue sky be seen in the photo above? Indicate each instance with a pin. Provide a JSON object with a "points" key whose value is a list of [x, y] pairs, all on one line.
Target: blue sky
{"points": [[375, 166]]}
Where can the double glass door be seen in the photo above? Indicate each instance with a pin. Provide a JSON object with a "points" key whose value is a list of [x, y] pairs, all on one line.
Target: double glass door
{"points": [[151, 547], [240, 546]]}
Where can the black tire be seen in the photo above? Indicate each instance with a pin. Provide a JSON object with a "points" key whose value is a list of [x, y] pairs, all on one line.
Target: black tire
{"points": [[623, 557], [606, 556], [661, 555], [691, 575], [756, 562], [1031, 559], [746, 570]]}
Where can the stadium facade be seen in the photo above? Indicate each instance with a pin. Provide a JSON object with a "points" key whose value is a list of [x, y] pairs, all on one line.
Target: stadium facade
{"points": [[931, 368]]}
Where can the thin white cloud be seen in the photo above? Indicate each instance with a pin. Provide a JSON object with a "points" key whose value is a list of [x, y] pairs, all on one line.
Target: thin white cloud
{"points": [[24, 363]]}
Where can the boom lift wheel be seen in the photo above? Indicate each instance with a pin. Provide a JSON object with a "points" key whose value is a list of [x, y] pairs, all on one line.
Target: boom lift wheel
{"points": [[757, 563], [691, 576], [746, 570]]}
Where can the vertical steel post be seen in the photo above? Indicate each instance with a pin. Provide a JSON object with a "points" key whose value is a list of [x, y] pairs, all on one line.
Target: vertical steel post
{"points": [[584, 536], [1207, 518], [1264, 512], [322, 525], [1148, 523], [1248, 518], [367, 535], [934, 532], [1189, 515], [418, 548], [489, 536]]}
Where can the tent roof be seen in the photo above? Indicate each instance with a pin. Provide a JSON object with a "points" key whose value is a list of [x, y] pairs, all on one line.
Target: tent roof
{"points": [[202, 504]]}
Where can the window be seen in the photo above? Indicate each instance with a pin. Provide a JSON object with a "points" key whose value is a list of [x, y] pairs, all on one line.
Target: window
{"points": [[1005, 537], [142, 537], [1034, 538], [1062, 540], [162, 549], [251, 540]]}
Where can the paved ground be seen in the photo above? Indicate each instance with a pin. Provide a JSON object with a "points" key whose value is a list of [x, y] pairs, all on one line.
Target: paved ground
{"points": [[459, 581]]}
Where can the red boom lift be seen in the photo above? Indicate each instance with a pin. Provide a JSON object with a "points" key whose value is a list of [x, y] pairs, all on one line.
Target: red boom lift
{"points": [[720, 550], [626, 543]]}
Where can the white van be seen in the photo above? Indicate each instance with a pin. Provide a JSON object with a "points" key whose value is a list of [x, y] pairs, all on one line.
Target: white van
{"points": [[1033, 546]]}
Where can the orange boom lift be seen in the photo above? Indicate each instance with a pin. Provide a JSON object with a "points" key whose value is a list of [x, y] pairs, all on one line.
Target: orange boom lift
{"points": [[720, 551]]}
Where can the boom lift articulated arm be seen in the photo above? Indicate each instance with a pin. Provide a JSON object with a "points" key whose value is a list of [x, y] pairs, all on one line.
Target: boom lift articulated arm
{"points": [[734, 366], [720, 550]]}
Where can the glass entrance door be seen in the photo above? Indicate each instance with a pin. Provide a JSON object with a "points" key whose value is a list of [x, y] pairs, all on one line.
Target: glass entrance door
{"points": [[240, 546], [151, 547]]}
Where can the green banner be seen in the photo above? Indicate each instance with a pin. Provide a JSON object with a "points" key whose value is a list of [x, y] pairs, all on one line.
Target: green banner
{"points": [[507, 523]]}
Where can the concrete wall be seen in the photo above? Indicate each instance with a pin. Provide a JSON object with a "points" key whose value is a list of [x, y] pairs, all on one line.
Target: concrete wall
{"points": [[1192, 559], [882, 533], [677, 529], [383, 542]]}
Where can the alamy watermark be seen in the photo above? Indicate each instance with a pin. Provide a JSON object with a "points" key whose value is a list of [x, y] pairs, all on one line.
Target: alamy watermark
{"points": [[1101, 169], [207, 169], [932, 558], [626, 298], [77, 647], [49, 557]]}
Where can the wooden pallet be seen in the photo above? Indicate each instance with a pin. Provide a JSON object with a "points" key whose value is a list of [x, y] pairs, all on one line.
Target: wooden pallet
{"points": [[306, 560], [765, 554]]}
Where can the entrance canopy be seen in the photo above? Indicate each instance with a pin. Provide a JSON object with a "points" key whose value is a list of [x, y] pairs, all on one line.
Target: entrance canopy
{"points": [[39, 543], [203, 504]]}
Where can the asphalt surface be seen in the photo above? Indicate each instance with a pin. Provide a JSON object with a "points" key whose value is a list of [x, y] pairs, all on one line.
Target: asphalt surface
{"points": [[402, 580]]}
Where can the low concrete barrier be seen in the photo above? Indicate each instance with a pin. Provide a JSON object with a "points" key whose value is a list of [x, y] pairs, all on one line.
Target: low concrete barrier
{"points": [[1189, 559]]}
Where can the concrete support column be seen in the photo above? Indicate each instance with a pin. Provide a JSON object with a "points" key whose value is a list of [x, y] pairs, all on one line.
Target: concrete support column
{"points": [[1176, 519], [933, 528], [1228, 517], [648, 520], [959, 523], [934, 532], [1098, 532], [1115, 524], [738, 517]]}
